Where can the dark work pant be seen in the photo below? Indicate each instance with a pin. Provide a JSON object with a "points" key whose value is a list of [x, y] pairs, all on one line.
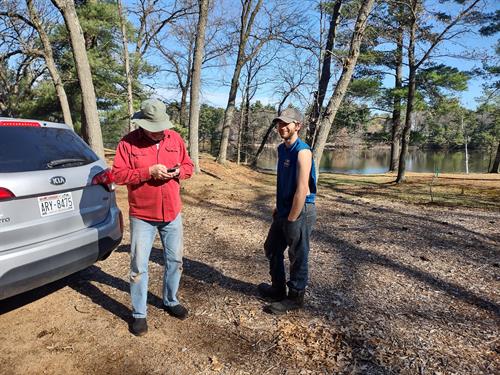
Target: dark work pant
{"points": [[294, 235]]}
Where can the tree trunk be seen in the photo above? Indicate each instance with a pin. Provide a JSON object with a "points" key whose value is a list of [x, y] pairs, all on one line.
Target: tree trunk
{"points": [[245, 103], [411, 96], [262, 145], [466, 156], [247, 20], [343, 83], [229, 115], [126, 60], [466, 144], [268, 132], [246, 124], [496, 163], [183, 110], [83, 122], [184, 115], [185, 86], [396, 113], [67, 9], [413, 66], [238, 142], [51, 65], [325, 76], [194, 107]]}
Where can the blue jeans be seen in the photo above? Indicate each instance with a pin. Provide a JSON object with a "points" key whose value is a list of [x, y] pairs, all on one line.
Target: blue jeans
{"points": [[295, 235], [142, 235]]}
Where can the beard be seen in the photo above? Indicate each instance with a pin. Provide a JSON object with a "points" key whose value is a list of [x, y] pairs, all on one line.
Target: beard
{"points": [[288, 134]]}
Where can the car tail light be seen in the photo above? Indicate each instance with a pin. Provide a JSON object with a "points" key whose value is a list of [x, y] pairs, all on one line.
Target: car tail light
{"points": [[6, 194], [106, 179], [19, 123]]}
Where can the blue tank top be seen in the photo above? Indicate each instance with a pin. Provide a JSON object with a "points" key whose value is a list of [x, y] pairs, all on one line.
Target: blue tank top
{"points": [[287, 177]]}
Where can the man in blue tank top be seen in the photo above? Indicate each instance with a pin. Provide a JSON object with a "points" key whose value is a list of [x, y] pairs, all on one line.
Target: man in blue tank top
{"points": [[293, 217]]}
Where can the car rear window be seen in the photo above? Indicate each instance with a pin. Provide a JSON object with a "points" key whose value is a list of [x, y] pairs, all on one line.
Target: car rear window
{"points": [[25, 149]]}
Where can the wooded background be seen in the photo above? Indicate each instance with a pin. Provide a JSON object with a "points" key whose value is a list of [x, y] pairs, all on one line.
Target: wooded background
{"points": [[380, 67]]}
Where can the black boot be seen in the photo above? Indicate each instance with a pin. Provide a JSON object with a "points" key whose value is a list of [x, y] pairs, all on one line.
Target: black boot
{"points": [[177, 311], [139, 327], [272, 292], [294, 301]]}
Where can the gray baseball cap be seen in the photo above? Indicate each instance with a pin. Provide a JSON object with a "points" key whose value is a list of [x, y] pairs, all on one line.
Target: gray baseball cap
{"points": [[152, 116], [289, 115]]}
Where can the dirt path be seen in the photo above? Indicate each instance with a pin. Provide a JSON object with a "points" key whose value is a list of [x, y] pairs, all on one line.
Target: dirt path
{"points": [[396, 288]]}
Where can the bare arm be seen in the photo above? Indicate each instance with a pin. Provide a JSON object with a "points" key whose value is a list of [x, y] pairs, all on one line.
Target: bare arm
{"points": [[304, 164]]}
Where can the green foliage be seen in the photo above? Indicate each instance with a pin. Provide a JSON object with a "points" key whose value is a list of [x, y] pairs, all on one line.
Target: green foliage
{"points": [[364, 88], [417, 138], [101, 28], [173, 111], [13, 87], [352, 116], [258, 106], [438, 81], [42, 105], [184, 132], [487, 126], [449, 125], [493, 23], [444, 124], [114, 125], [210, 122]]}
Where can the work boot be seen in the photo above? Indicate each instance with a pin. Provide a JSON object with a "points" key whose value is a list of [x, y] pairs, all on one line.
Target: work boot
{"points": [[139, 326], [294, 301], [272, 292], [177, 311]]}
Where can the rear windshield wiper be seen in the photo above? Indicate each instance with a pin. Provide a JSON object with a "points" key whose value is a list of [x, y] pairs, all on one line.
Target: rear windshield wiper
{"points": [[67, 162]]}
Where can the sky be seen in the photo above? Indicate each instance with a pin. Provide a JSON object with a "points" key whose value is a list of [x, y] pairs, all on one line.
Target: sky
{"points": [[215, 81], [463, 46]]}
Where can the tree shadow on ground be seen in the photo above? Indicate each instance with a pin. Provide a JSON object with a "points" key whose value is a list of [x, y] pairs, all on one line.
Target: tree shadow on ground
{"points": [[81, 282], [203, 273], [23, 299], [428, 227], [343, 302], [354, 257], [258, 209], [84, 286], [210, 276], [352, 254]]}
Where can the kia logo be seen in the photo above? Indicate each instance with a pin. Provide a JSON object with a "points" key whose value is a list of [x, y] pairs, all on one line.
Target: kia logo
{"points": [[57, 180]]}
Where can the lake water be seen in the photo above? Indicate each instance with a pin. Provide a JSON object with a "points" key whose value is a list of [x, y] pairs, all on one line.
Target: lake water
{"points": [[368, 161]]}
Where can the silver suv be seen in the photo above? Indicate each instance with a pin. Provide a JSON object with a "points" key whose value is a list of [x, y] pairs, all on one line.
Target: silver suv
{"points": [[58, 211]]}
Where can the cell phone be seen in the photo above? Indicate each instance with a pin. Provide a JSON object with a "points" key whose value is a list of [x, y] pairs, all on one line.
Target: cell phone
{"points": [[170, 170]]}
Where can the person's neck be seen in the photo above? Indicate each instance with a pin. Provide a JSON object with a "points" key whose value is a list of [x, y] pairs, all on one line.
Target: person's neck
{"points": [[290, 141], [152, 139]]}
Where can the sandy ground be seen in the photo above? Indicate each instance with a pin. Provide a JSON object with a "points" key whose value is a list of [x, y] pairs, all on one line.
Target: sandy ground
{"points": [[396, 288]]}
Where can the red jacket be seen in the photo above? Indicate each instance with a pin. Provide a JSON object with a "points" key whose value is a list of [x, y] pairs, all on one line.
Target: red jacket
{"points": [[150, 199]]}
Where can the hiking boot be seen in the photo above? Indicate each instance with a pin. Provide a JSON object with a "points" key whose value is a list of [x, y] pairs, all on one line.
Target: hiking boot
{"points": [[294, 301], [177, 311], [139, 326], [271, 292]]}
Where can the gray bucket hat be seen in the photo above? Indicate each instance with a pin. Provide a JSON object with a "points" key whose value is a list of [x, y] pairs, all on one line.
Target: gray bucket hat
{"points": [[152, 116], [289, 115]]}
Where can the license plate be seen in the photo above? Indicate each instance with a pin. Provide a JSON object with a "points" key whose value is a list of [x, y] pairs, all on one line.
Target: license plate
{"points": [[55, 204]]}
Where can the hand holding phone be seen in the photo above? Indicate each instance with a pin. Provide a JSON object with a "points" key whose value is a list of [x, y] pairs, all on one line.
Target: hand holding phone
{"points": [[174, 171]]}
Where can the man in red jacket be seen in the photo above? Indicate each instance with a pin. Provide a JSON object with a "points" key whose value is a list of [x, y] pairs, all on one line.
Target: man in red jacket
{"points": [[151, 161]]}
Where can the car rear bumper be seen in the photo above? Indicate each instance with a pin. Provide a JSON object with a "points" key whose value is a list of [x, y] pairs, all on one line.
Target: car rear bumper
{"points": [[28, 267]]}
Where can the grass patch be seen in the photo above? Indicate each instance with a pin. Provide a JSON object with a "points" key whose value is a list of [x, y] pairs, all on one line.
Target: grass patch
{"points": [[474, 191]]}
